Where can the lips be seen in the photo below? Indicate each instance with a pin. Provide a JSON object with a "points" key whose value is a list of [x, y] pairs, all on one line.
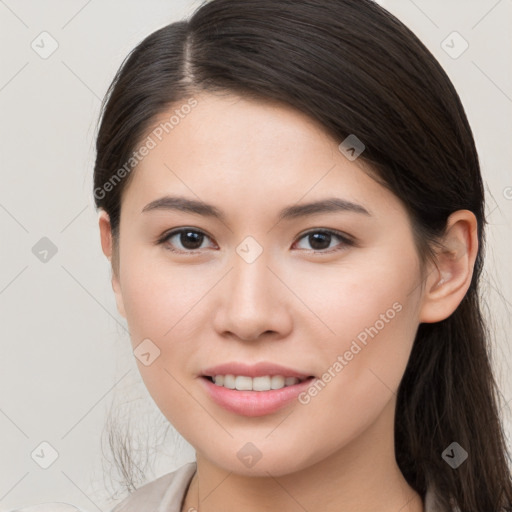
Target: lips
{"points": [[259, 400], [254, 403], [261, 369]]}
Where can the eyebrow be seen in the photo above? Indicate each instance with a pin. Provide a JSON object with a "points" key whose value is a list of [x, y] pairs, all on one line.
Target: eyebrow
{"points": [[183, 204]]}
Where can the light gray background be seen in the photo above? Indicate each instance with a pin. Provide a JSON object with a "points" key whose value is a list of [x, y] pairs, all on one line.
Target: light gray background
{"points": [[65, 354]]}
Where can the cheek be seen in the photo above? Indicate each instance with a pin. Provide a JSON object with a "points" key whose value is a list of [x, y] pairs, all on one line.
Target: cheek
{"points": [[375, 313], [162, 302], [369, 314], [157, 303], [159, 296], [366, 295], [362, 369]]}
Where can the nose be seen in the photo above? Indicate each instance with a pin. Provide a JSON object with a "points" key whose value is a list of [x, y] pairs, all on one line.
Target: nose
{"points": [[254, 302]]}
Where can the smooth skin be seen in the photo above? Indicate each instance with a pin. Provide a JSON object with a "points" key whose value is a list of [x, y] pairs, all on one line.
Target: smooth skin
{"points": [[299, 304]]}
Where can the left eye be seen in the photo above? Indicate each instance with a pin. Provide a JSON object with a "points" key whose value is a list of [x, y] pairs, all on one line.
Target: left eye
{"points": [[318, 239], [191, 240]]}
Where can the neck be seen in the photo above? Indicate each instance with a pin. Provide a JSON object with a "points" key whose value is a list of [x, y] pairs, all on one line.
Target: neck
{"points": [[362, 476]]}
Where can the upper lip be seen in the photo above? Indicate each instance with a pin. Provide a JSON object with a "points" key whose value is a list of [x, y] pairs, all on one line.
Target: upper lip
{"points": [[253, 370]]}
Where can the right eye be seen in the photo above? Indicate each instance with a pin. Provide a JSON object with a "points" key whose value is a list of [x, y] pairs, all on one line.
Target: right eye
{"points": [[189, 238]]}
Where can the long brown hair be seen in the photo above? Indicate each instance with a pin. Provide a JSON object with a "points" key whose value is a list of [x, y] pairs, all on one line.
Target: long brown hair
{"points": [[356, 69]]}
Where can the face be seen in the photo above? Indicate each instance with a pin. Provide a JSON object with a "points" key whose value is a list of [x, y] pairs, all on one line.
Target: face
{"points": [[267, 288]]}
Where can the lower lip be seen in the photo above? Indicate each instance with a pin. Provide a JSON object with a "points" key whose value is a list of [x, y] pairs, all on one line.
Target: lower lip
{"points": [[254, 403]]}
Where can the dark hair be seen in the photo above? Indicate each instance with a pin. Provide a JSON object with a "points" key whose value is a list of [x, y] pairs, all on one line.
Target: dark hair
{"points": [[356, 69]]}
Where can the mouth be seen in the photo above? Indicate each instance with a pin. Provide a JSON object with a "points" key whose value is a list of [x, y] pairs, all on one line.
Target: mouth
{"points": [[254, 396], [254, 390], [260, 383]]}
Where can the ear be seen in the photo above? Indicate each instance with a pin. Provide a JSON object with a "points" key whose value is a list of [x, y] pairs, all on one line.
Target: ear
{"points": [[108, 249], [451, 274]]}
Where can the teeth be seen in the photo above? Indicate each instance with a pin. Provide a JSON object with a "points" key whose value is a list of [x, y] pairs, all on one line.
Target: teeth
{"points": [[265, 383]]}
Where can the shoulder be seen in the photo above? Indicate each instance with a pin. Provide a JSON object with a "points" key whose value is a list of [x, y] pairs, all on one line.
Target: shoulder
{"points": [[165, 493]]}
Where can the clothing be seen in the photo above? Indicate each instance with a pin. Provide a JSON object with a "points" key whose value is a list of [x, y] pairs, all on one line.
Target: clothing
{"points": [[167, 493], [49, 507]]}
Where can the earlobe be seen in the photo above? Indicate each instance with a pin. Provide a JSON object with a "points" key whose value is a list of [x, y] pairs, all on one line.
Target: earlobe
{"points": [[107, 246], [451, 274]]}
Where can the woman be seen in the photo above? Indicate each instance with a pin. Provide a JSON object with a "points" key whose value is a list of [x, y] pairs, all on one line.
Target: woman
{"points": [[291, 201]]}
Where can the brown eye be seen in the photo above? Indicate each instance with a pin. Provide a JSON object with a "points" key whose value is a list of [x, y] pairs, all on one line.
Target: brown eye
{"points": [[185, 239], [188, 240], [320, 240]]}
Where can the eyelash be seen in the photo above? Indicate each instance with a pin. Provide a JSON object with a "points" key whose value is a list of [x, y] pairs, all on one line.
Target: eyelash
{"points": [[346, 241]]}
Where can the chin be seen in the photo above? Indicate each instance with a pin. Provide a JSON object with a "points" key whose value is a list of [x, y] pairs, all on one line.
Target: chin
{"points": [[249, 461]]}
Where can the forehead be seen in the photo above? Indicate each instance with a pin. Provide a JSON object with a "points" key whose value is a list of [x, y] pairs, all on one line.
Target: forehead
{"points": [[246, 153]]}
